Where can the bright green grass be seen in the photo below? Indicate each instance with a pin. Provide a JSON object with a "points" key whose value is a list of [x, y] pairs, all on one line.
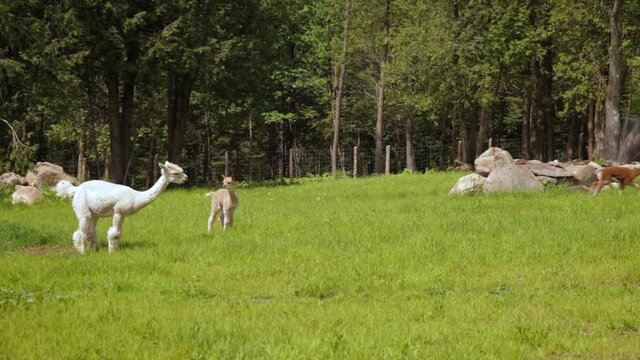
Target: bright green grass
{"points": [[381, 267]]}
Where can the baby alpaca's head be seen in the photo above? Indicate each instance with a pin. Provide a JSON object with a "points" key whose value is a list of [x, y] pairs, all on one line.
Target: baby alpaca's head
{"points": [[227, 182]]}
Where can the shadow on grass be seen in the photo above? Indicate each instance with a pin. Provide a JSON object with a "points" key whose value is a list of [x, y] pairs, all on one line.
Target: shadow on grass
{"points": [[132, 245]]}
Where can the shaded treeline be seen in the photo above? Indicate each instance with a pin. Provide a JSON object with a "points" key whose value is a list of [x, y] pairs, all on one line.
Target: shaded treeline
{"points": [[123, 84]]}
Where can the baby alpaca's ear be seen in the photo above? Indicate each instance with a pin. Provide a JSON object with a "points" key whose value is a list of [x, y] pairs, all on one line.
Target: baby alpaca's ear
{"points": [[222, 176]]}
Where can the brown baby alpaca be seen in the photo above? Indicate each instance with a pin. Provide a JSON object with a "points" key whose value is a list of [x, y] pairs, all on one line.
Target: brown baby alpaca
{"points": [[624, 175], [223, 203]]}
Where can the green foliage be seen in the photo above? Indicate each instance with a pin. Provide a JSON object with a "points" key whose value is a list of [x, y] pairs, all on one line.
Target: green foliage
{"points": [[261, 73]]}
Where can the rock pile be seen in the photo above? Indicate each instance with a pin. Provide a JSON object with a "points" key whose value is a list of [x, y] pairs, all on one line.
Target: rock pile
{"points": [[497, 171], [28, 189]]}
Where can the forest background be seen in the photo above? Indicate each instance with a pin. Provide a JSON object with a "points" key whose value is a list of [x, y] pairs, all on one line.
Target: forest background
{"points": [[113, 87]]}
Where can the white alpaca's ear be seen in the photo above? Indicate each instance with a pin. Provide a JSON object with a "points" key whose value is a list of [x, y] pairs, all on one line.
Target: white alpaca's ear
{"points": [[222, 176], [161, 165]]}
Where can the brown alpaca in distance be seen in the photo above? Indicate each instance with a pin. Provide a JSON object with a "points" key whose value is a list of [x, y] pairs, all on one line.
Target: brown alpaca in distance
{"points": [[624, 175], [223, 203]]}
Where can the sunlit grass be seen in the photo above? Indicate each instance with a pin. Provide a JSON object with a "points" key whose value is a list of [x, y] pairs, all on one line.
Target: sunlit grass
{"points": [[368, 268]]}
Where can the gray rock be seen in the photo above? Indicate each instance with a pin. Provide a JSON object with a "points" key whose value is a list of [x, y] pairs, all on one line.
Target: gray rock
{"points": [[468, 183], [46, 174], [11, 178], [582, 174], [542, 169], [486, 162], [509, 177], [26, 195]]}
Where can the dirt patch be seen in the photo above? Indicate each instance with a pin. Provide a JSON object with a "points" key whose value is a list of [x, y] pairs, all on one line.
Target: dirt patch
{"points": [[48, 249]]}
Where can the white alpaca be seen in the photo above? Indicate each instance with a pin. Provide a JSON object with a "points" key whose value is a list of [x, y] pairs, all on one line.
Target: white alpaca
{"points": [[96, 198]]}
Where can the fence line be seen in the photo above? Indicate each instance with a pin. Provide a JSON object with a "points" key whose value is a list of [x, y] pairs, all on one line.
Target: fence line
{"points": [[290, 163], [295, 162]]}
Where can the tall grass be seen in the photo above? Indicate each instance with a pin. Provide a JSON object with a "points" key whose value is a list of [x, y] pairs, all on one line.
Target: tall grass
{"points": [[381, 267]]}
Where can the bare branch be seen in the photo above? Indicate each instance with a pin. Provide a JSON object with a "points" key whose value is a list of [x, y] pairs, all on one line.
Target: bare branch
{"points": [[16, 139]]}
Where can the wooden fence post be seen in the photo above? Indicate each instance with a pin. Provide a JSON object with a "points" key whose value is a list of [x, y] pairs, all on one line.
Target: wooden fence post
{"points": [[387, 161], [355, 161], [226, 163], [291, 164], [459, 152]]}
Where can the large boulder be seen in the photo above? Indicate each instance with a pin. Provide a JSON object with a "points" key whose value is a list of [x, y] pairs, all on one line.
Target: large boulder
{"points": [[468, 183], [541, 169], [510, 177], [46, 174], [10, 179], [26, 195], [486, 162], [582, 174]]}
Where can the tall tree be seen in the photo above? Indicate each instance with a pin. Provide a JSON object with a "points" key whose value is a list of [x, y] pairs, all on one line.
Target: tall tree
{"points": [[380, 86], [339, 72], [612, 127]]}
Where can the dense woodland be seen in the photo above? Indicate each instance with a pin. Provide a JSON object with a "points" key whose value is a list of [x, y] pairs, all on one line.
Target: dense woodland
{"points": [[119, 85]]}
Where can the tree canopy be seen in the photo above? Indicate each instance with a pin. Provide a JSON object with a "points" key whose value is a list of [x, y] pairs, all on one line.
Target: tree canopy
{"points": [[118, 85]]}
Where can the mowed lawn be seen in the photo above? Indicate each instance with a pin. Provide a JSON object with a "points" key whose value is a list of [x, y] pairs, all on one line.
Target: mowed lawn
{"points": [[379, 267]]}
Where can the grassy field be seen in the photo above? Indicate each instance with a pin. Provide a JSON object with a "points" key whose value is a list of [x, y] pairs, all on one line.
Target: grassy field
{"points": [[381, 267]]}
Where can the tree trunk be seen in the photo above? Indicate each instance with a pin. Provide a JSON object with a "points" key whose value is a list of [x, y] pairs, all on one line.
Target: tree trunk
{"points": [[526, 123], [121, 114], [599, 128], [483, 119], [179, 112], [338, 86], [469, 134], [206, 141], [410, 155], [379, 162], [384, 59], [127, 117], [573, 139], [612, 131], [548, 111], [118, 142], [537, 123], [151, 162]]}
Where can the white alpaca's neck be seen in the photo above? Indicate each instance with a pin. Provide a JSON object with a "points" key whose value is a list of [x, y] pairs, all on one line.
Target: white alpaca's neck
{"points": [[144, 198]]}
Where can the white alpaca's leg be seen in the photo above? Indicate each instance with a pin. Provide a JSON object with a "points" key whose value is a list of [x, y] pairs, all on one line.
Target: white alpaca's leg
{"points": [[113, 234], [78, 241], [92, 236], [83, 233]]}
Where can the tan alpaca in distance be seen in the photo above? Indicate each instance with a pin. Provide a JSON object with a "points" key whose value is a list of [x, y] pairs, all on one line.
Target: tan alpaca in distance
{"points": [[624, 175], [223, 202]]}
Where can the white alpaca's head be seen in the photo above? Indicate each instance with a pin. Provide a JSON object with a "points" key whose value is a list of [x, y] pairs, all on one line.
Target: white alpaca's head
{"points": [[65, 189], [227, 182], [173, 173]]}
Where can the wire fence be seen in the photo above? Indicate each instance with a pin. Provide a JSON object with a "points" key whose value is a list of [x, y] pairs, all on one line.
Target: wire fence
{"points": [[290, 163]]}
